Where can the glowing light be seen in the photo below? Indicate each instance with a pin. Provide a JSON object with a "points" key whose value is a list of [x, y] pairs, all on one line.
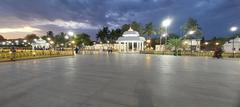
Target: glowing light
{"points": [[148, 41], [164, 35], [206, 43], [66, 37], [191, 32], [167, 22], [25, 41], [3, 43], [48, 39], [233, 29], [73, 42], [70, 33], [51, 42], [217, 43]]}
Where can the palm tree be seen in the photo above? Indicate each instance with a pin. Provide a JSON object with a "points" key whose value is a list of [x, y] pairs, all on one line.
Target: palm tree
{"points": [[2, 38], [115, 34], [149, 30], [175, 43], [192, 25], [103, 34]]}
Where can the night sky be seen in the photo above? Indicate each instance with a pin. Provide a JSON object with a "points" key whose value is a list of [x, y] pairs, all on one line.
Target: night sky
{"points": [[21, 17]]}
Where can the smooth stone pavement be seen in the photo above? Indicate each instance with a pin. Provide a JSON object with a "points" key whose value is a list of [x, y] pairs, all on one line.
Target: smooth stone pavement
{"points": [[120, 80]]}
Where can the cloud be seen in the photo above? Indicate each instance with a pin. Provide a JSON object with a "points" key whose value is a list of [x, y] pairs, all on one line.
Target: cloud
{"points": [[83, 15], [65, 24], [21, 30]]}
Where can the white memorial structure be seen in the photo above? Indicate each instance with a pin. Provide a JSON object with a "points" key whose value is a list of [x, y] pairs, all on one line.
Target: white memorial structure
{"points": [[40, 44], [131, 41], [228, 46]]}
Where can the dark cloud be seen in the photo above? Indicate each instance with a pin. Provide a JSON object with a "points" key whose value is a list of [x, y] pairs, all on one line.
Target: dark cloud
{"points": [[215, 16]]}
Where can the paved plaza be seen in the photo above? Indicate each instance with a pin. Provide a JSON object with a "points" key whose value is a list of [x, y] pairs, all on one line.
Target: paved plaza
{"points": [[120, 80]]}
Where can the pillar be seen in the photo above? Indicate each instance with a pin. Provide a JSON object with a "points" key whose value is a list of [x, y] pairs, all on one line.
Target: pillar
{"points": [[132, 46], [137, 46], [119, 47], [142, 46], [127, 47]]}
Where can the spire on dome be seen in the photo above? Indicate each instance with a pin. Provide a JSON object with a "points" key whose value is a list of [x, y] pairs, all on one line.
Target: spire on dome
{"points": [[130, 29]]}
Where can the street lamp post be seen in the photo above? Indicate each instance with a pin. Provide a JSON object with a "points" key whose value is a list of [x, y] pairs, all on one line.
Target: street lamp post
{"points": [[206, 43], [166, 23], [233, 29], [191, 33]]}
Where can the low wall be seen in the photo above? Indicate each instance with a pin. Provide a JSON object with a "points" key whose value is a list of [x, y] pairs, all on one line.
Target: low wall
{"points": [[203, 53], [30, 54]]}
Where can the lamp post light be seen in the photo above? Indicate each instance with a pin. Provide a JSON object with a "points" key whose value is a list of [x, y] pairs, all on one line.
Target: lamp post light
{"points": [[49, 39], [233, 29], [17, 42], [206, 43], [72, 44], [166, 23], [3, 43], [190, 33], [70, 33]]}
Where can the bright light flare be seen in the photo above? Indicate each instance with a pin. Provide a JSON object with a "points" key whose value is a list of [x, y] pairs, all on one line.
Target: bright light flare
{"points": [[233, 29], [70, 33], [164, 35], [191, 32], [167, 22], [66, 37]]}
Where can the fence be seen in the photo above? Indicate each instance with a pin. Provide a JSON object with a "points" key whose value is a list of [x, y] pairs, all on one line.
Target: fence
{"points": [[29, 54]]}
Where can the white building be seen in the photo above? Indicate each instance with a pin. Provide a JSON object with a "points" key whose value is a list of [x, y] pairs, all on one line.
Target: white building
{"points": [[228, 46], [40, 44], [194, 44], [131, 41]]}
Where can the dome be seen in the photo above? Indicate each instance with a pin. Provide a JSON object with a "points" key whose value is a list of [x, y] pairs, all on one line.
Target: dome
{"points": [[40, 41], [130, 33]]}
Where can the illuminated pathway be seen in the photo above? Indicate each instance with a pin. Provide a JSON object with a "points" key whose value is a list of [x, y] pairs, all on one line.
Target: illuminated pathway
{"points": [[120, 81]]}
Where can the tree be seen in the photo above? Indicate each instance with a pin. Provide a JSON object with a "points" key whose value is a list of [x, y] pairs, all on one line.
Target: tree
{"points": [[115, 34], [2, 38], [50, 34], [138, 27], [175, 43], [173, 36], [103, 34], [192, 25], [60, 38], [82, 38], [31, 37], [149, 29], [125, 27]]}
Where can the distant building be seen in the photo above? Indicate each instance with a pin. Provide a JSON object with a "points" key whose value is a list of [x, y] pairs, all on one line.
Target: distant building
{"points": [[40, 44], [228, 46], [131, 41], [194, 44]]}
